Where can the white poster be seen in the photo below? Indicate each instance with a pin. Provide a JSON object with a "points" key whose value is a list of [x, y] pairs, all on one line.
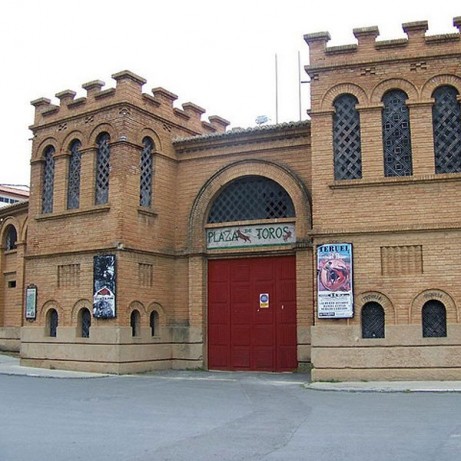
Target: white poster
{"points": [[335, 298]]}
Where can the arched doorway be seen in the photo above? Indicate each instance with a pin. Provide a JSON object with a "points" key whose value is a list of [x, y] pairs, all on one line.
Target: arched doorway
{"points": [[252, 300]]}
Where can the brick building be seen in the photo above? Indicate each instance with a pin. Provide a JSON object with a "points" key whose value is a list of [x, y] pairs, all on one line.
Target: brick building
{"points": [[154, 239]]}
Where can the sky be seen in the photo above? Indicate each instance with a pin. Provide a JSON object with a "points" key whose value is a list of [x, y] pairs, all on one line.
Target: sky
{"points": [[218, 54]]}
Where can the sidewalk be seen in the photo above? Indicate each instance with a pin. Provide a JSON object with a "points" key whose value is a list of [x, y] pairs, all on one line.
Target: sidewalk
{"points": [[9, 365]]}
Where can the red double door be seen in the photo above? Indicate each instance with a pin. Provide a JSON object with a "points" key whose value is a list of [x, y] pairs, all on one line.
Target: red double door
{"points": [[252, 314]]}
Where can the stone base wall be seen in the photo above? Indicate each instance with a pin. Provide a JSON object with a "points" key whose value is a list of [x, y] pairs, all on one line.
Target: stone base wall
{"points": [[340, 353], [10, 339], [111, 350]]}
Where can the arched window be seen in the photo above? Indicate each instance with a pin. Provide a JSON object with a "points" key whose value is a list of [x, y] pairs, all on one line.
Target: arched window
{"points": [[251, 197], [446, 119], [373, 320], [11, 238], [135, 323], [73, 177], [52, 322], [153, 322], [146, 172], [396, 135], [346, 138], [84, 322], [434, 317], [102, 169], [48, 180]]}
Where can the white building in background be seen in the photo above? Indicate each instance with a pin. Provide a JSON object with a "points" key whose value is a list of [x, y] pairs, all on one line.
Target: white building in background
{"points": [[10, 194]]}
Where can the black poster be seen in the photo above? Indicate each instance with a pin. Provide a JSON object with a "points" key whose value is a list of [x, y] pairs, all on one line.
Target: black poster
{"points": [[105, 275]]}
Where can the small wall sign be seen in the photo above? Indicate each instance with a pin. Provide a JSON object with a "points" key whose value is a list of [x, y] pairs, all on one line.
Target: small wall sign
{"points": [[264, 300], [31, 302]]}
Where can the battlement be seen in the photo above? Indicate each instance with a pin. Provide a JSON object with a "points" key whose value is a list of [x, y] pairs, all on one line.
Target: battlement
{"points": [[369, 48], [128, 89]]}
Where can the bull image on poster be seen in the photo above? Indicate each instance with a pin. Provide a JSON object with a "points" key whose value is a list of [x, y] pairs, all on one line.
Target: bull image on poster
{"points": [[104, 271], [334, 281]]}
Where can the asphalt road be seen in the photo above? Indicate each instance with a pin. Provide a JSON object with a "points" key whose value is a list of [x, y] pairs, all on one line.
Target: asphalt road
{"points": [[203, 416]]}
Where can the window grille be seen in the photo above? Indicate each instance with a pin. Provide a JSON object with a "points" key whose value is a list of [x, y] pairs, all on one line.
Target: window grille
{"points": [[134, 322], [11, 238], [53, 322], [48, 180], [446, 118], [434, 317], [153, 323], [73, 180], [346, 138], [85, 323], [146, 172], [251, 197], [373, 322], [102, 169], [396, 135]]}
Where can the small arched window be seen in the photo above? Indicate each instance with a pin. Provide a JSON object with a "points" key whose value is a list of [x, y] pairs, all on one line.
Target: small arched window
{"points": [[373, 323], [48, 180], [102, 169], [346, 138], [52, 322], [251, 197], [135, 323], [73, 177], [84, 322], [11, 238], [396, 135], [153, 321], [446, 119], [434, 319], [146, 173]]}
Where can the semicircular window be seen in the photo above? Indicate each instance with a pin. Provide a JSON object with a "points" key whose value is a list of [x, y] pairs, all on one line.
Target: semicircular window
{"points": [[250, 198]]}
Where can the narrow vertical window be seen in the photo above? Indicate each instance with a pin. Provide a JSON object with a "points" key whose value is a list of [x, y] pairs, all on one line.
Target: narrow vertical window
{"points": [[346, 138], [52, 322], [102, 169], [373, 320], [73, 177], [396, 135], [11, 238], [84, 322], [154, 323], [146, 172], [48, 180], [134, 323], [446, 119], [434, 319]]}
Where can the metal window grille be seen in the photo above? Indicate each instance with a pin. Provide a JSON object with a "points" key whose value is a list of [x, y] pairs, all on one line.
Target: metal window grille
{"points": [[86, 323], [446, 117], [396, 135], [251, 197], [102, 169], [434, 317], [373, 322], [53, 322], [146, 172], [134, 322], [73, 182], [11, 238], [48, 180], [346, 138], [153, 322]]}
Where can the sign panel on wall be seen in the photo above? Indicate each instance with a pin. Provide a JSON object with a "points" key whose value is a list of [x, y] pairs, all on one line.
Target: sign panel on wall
{"points": [[334, 281], [31, 302], [250, 236], [105, 276]]}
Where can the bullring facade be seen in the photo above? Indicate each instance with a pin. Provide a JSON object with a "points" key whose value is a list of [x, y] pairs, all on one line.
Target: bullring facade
{"points": [[154, 239]]}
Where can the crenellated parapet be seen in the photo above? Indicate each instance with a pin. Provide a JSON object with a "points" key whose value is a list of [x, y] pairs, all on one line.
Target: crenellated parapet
{"points": [[369, 49], [128, 90]]}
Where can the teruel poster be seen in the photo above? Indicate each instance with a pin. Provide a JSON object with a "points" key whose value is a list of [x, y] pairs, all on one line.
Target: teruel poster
{"points": [[334, 281], [104, 271]]}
